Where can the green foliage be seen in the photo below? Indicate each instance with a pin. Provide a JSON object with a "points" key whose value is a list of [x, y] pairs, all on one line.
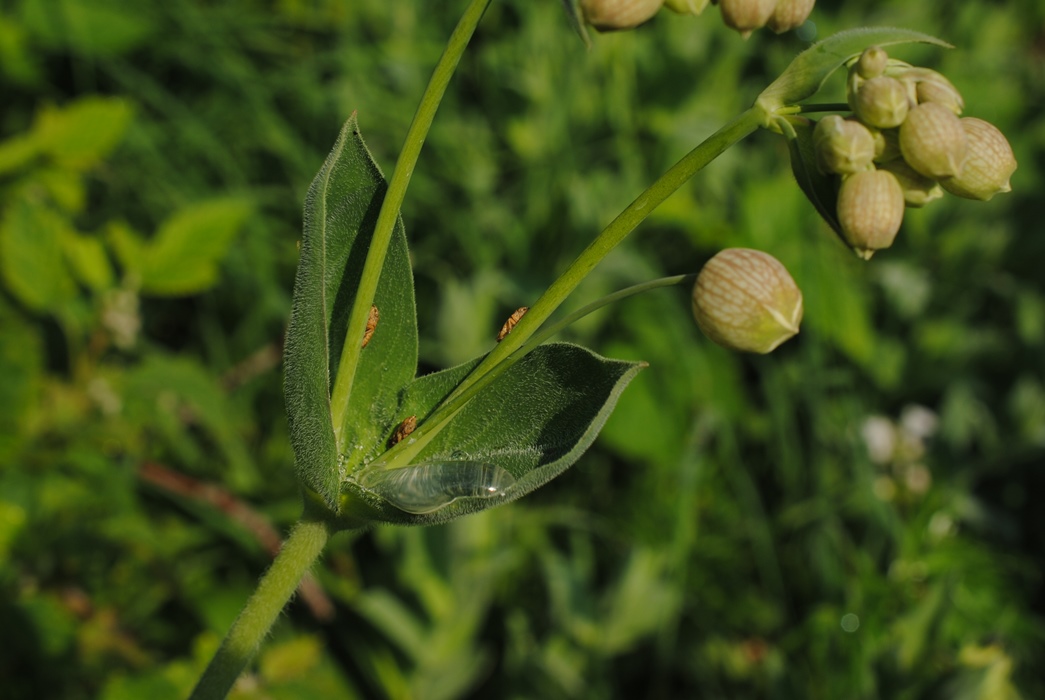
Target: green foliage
{"points": [[734, 499], [340, 213]]}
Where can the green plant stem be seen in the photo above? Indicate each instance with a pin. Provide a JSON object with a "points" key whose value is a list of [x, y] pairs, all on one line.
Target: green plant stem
{"points": [[550, 331], [300, 550], [813, 108], [494, 363], [386, 218]]}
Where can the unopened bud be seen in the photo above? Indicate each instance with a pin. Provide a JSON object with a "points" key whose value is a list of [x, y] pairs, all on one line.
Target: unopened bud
{"points": [[746, 15], [886, 145], [871, 63], [611, 15], [933, 141], [746, 300], [927, 85], [988, 165], [918, 190], [842, 146], [881, 102], [870, 211], [790, 14]]}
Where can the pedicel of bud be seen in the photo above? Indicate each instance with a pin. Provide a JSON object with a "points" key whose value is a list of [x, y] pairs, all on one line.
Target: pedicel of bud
{"points": [[933, 141], [747, 15], [918, 190], [927, 85], [842, 146], [989, 163], [746, 300], [686, 7], [790, 14], [880, 102], [871, 63], [870, 210], [612, 15]]}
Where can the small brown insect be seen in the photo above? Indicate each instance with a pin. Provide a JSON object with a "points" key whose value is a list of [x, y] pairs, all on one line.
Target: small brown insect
{"points": [[371, 324], [510, 323], [403, 429]]}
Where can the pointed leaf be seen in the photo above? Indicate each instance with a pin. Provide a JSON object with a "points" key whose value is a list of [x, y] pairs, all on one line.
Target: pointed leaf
{"points": [[31, 261], [527, 427], [340, 212], [576, 17], [83, 132], [820, 189], [804, 76]]}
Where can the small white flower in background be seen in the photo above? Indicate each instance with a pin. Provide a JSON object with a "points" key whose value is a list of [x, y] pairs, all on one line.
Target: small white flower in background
{"points": [[879, 435]]}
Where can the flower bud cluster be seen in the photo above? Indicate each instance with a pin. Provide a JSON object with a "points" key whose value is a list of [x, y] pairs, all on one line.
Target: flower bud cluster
{"points": [[905, 143], [743, 15], [779, 15]]}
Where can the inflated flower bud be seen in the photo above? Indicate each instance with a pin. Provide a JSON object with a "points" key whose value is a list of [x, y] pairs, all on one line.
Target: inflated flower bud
{"points": [[747, 15], [746, 300], [842, 146], [927, 85], [686, 7], [881, 102], [886, 145], [871, 63], [610, 15], [918, 190], [870, 210], [790, 14], [933, 141], [988, 165]]}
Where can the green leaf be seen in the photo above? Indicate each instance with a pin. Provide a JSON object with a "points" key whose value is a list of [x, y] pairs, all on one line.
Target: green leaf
{"points": [[89, 27], [191, 398], [184, 255], [804, 76], [820, 189], [88, 260], [340, 213], [31, 263], [21, 366], [17, 152], [576, 17], [527, 427], [83, 132]]}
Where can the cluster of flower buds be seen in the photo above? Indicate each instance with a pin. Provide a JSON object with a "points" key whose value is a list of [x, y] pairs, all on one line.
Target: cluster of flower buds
{"points": [[904, 145], [743, 15], [746, 300]]}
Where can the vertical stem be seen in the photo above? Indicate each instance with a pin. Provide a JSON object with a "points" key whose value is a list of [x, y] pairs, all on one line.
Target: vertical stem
{"points": [[393, 200], [299, 552]]}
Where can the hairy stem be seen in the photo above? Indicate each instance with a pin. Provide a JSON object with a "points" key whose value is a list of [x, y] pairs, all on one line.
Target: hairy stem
{"points": [[299, 552], [386, 218]]}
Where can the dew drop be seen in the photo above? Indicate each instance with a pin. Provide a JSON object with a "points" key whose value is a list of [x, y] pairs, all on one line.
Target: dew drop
{"points": [[426, 488]]}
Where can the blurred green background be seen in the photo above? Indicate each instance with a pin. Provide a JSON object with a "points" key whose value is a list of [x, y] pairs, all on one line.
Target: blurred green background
{"points": [[855, 516]]}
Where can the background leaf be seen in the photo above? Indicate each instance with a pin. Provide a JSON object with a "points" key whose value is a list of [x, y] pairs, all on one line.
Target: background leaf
{"points": [[804, 76], [340, 212], [534, 421], [31, 256], [183, 257], [83, 132]]}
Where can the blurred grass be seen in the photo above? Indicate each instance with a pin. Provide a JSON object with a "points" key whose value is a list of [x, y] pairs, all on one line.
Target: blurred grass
{"points": [[730, 535]]}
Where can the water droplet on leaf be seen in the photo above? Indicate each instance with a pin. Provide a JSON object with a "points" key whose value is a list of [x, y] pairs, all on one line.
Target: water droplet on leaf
{"points": [[426, 488]]}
